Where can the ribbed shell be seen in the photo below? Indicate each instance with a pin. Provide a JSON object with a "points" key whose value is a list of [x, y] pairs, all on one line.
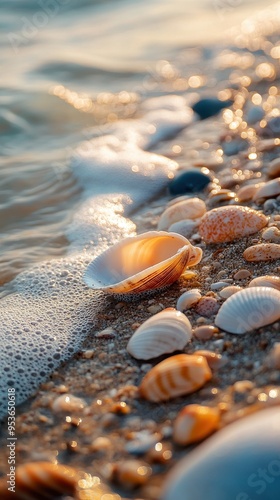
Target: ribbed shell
{"points": [[143, 263], [249, 309], [262, 252], [230, 223], [175, 376], [191, 208], [270, 281], [41, 480], [165, 332]]}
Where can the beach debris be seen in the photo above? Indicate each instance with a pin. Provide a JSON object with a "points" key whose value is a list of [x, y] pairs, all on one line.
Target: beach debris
{"points": [[269, 189], [210, 106], [270, 281], [189, 181], [188, 299], [262, 252], [205, 332], [249, 310], [225, 461], [68, 403], [191, 208], [163, 333], [230, 223], [140, 264], [175, 376], [194, 423], [129, 474]]}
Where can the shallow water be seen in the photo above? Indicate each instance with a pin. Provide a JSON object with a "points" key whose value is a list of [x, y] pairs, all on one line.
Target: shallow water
{"points": [[69, 180]]}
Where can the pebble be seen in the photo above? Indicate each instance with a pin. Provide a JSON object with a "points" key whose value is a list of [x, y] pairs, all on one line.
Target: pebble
{"points": [[68, 403], [207, 306], [205, 332], [194, 423], [247, 193], [262, 252], [273, 169], [143, 441], [155, 308], [210, 107], [271, 234], [130, 473], [190, 181], [242, 274], [214, 360], [273, 358], [243, 386]]}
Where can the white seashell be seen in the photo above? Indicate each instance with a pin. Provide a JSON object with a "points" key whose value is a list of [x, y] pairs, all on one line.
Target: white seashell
{"points": [[188, 299], [227, 292], [143, 263], [165, 332], [175, 376], [230, 464], [270, 281], [249, 309], [184, 227], [268, 190], [271, 234], [192, 208]]}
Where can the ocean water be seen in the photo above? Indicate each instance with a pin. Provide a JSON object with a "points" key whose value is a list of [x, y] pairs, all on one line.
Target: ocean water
{"points": [[88, 89]]}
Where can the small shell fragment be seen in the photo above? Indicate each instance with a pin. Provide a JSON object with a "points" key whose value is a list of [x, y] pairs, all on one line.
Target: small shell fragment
{"points": [[175, 376], [192, 208], [249, 309], [270, 281], [165, 332], [188, 299], [230, 223], [262, 252], [194, 423]]}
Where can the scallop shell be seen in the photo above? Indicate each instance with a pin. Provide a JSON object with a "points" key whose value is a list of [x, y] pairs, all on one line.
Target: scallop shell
{"points": [[268, 190], [249, 309], [262, 252], [41, 480], [194, 423], [230, 223], [192, 208], [270, 281], [143, 263], [227, 465], [188, 299], [165, 332], [175, 376]]}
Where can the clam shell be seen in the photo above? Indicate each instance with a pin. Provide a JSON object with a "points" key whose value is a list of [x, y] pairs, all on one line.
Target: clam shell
{"points": [[175, 376], [249, 309], [165, 332], [192, 208], [194, 423], [143, 263], [188, 299], [262, 252], [227, 465], [268, 190], [270, 281], [230, 223], [246, 193]]}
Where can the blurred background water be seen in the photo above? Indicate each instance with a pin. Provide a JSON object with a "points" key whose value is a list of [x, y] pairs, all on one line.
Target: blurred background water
{"points": [[67, 65]]}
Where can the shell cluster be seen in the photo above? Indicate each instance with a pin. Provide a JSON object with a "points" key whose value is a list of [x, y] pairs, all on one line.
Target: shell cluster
{"points": [[144, 263]]}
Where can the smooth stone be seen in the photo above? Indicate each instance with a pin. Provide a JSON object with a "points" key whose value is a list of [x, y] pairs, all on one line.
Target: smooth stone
{"points": [[272, 129], [234, 147], [190, 181], [255, 114], [210, 107], [240, 462]]}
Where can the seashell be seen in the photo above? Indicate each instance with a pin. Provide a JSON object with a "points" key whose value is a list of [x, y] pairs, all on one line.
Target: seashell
{"points": [[188, 299], [246, 193], [249, 309], [218, 285], [205, 332], [184, 227], [189, 181], [41, 480], [273, 169], [207, 306], [214, 360], [271, 234], [175, 376], [144, 263], [262, 252], [230, 223], [191, 208], [68, 403], [229, 291], [270, 281], [130, 473], [217, 197], [268, 190], [165, 332], [232, 463], [273, 358], [211, 106], [194, 423]]}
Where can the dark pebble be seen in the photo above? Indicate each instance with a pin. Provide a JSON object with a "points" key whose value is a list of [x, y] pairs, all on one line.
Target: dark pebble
{"points": [[191, 181], [210, 107], [272, 129]]}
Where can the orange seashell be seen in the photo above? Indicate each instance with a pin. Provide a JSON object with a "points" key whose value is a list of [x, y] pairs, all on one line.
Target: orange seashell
{"points": [[230, 223], [262, 252], [41, 480], [194, 423], [175, 376]]}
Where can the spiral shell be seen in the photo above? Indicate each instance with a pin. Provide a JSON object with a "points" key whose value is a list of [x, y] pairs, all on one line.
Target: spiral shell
{"points": [[194, 423], [249, 309], [230, 223], [165, 332], [192, 208], [141, 264], [175, 376], [262, 252]]}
